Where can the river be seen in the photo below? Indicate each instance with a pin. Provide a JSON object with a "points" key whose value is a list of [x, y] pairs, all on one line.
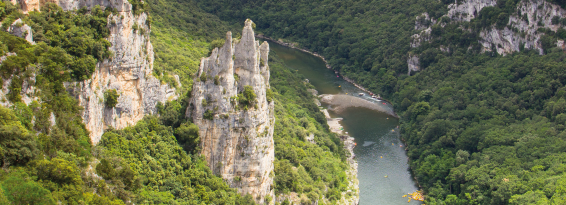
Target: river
{"points": [[383, 171]]}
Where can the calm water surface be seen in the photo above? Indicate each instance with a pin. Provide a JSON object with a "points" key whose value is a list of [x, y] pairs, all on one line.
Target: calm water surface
{"points": [[379, 152]]}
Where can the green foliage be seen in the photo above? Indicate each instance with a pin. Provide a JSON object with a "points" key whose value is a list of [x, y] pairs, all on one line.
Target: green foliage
{"points": [[82, 35], [247, 98], [167, 173], [300, 166], [269, 94], [17, 145], [19, 189], [138, 6], [487, 130], [217, 43], [208, 114], [187, 135], [203, 77], [173, 113], [216, 80], [105, 169], [180, 34], [111, 98]]}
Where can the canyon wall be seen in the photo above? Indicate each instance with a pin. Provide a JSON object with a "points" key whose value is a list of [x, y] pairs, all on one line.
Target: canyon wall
{"points": [[129, 72], [522, 31]]}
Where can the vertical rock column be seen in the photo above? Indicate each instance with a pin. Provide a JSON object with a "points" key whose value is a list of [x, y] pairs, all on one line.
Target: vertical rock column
{"points": [[236, 140]]}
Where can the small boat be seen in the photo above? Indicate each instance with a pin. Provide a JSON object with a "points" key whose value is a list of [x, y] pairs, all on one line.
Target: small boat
{"points": [[361, 94], [373, 96], [404, 196], [385, 176]]}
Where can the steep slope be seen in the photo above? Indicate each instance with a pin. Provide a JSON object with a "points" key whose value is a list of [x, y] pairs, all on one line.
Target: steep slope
{"points": [[129, 72], [235, 120]]}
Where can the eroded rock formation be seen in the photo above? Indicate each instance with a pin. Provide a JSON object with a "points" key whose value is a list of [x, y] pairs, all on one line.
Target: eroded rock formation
{"points": [[236, 139], [129, 71]]}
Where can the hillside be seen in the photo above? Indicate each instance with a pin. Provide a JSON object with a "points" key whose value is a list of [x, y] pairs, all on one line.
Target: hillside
{"points": [[482, 110], [93, 110]]}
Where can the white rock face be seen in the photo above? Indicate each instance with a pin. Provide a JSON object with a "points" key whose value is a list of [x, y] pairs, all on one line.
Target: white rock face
{"points": [[413, 63], [521, 29], [237, 143], [19, 29], [468, 9], [129, 71]]}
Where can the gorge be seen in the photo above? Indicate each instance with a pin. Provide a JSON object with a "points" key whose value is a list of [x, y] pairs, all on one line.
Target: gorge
{"points": [[172, 102]]}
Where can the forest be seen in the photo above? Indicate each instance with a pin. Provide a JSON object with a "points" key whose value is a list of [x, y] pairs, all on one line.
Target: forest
{"points": [[480, 128]]}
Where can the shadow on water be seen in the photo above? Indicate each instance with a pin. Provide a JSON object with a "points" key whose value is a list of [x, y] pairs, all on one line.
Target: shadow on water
{"points": [[379, 152]]}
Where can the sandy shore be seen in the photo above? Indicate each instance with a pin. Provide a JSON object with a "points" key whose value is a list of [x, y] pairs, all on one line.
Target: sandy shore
{"points": [[340, 102]]}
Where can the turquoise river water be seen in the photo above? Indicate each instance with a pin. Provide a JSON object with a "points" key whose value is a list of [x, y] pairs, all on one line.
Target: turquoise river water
{"points": [[379, 151]]}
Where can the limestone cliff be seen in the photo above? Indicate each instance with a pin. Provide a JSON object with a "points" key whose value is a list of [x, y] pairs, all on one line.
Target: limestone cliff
{"points": [[522, 29], [129, 71], [236, 140]]}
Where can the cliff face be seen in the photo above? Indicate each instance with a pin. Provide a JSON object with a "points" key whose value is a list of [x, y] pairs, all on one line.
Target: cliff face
{"points": [[129, 71], [520, 32], [236, 141]]}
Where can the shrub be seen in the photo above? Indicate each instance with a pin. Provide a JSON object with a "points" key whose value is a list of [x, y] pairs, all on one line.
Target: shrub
{"points": [[105, 169], [208, 114], [248, 97], [216, 80], [111, 98]]}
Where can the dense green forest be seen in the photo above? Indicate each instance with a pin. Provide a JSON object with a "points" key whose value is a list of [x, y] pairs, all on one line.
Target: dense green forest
{"points": [[480, 128]]}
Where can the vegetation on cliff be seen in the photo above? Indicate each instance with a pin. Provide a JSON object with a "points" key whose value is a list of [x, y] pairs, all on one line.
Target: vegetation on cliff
{"points": [[46, 154], [45, 149]]}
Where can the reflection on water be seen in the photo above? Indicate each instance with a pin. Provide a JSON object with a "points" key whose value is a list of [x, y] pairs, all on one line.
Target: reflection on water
{"points": [[382, 162]]}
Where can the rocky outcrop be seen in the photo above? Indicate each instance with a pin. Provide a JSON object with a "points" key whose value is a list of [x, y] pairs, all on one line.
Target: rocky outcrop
{"points": [[236, 140], [28, 5], [129, 72], [19, 29], [466, 10], [413, 63], [522, 28]]}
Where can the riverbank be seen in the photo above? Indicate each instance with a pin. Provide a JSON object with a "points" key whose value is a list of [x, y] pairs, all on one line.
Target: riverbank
{"points": [[352, 195], [294, 46]]}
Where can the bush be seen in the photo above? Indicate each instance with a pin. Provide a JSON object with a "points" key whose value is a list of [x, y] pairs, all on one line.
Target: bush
{"points": [[248, 97], [111, 98], [105, 169], [208, 114]]}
